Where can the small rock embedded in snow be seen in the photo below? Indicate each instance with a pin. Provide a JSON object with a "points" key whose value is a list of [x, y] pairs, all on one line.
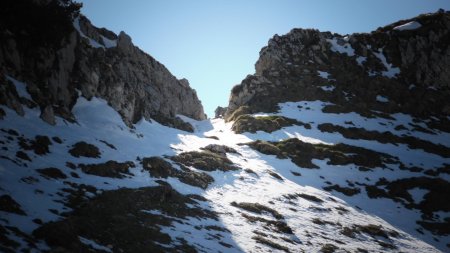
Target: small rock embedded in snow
{"points": [[408, 26]]}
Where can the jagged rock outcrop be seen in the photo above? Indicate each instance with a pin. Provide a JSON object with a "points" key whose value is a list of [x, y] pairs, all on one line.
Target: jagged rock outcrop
{"points": [[220, 112], [393, 69], [57, 51], [304, 179]]}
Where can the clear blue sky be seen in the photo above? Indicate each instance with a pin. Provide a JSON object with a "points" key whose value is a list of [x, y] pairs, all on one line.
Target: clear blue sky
{"points": [[215, 43]]}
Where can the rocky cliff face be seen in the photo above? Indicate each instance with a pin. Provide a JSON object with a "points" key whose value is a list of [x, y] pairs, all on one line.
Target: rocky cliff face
{"points": [[331, 170], [57, 51], [402, 67], [380, 91]]}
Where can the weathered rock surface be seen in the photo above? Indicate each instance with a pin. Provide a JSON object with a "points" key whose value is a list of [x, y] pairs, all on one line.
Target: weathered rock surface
{"points": [[57, 51], [406, 68], [247, 123], [220, 112], [205, 160], [219, 149], [304, 188], [108, 169], [122, 217], [8, 204], [302, 153], [85, 149], [159, 168]]}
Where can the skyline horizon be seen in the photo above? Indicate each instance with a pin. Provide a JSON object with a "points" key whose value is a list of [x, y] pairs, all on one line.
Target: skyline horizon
{"points": [[218, 54]]}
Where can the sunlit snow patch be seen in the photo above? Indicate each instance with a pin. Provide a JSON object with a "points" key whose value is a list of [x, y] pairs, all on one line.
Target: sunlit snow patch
{"points": [[344, 49], [323, 74], [306, 138], [391, 70], [108, 43], [408, 26]]}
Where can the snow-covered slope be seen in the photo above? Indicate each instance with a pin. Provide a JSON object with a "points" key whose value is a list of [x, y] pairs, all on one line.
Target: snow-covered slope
{"points": [[335, 144], [212, 190]]}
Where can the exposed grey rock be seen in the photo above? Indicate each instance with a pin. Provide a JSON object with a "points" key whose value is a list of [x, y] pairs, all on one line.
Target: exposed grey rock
{"points": [[9, 96], [95, 33], [160, 168], [242, 94], [287, 70], [48, 115], [124, 43], [219, 149], [220, 112], [133, 83]]}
